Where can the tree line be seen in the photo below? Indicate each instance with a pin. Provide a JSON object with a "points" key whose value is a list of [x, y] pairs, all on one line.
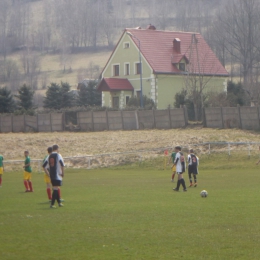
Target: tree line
{"points": [[58, 96]]}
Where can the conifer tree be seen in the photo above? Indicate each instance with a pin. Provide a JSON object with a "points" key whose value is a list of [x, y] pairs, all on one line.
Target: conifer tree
{"points": [[25, 97], [7, 104]]}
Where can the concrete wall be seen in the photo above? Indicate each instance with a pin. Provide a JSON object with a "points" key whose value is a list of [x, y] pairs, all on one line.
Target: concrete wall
{"points": [[96, 121], [233, 117]]}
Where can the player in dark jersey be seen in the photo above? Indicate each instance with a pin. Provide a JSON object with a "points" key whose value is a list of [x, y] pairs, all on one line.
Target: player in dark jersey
{"points": [[193, 162], [54, 167]]}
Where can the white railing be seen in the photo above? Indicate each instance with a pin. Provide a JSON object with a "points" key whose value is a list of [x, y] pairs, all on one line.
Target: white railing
{"points": [[113, 159]]}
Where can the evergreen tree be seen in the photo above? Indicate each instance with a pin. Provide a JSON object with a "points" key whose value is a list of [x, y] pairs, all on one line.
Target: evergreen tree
{"points": [[7, 104], [67, 98], [25, 97], [236, 94], [58, 96], [88, 94], [53, 97]]}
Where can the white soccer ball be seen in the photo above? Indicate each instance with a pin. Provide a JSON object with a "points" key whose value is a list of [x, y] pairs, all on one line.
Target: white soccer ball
{"points": [[204, 194]]}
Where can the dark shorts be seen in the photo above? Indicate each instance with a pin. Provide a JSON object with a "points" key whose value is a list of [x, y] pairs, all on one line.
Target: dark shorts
{"points": [[56, 182], [192, 169]]}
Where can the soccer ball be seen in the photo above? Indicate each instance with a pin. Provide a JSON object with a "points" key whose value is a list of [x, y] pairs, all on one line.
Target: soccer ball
{"points": [[204, 194]]}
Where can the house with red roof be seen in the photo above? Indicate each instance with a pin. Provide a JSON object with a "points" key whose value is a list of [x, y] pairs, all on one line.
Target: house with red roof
{"points": [[168, 60]]}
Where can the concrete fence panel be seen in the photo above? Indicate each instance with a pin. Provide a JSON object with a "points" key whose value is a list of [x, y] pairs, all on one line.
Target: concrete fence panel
{"points": [[85, 121], [177, 117], [162, 119], [231, 117], [57, 122], [100, 120], [130, 120], [214, 117], [115, 121], [6, 124], [249, 118], [18, 124], [146, 119], [31, 123], [44, 123]]}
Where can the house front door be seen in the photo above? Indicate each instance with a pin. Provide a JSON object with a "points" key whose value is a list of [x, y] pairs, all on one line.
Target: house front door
{"points": [[115, 102]]}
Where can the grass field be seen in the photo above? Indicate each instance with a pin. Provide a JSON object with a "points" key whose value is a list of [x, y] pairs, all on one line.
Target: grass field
{"points": [[131, 212]]}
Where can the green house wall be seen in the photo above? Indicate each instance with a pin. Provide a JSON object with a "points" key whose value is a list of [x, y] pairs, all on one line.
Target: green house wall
{"points": [[162, 88]]}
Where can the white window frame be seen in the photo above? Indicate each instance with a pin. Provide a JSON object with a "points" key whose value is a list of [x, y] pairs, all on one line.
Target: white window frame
{"points": [[124, 45], [125, 63], [112, 69]]}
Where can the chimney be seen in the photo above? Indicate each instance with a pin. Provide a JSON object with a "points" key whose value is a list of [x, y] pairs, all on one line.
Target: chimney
{"points": [[177, 45], [151, 27]]}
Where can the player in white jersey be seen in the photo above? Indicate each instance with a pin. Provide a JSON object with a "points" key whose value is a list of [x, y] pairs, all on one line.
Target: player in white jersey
{"points": [[54, 167], [180, 168]]}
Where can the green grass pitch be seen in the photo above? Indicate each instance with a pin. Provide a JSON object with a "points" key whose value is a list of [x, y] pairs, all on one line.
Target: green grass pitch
{"points": [[131, 212]]}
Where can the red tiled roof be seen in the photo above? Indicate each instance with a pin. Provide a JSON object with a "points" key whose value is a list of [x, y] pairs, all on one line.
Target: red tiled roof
{"points": [[114, 84], [157, 48]]}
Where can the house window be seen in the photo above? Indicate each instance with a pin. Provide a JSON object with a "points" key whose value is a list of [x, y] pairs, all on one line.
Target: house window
{"points": [[116, 70], [182, 66], [127, 99], [138, 68], [127, 69], [126, 45]]}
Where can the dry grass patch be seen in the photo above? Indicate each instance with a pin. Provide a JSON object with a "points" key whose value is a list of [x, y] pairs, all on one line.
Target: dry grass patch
{"points": [[12, 145]]}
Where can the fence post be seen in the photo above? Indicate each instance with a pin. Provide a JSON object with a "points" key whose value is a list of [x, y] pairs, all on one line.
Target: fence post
{"points": [[122, 119], [239, 117], [37, 122], [12, 120], [222, 119], [137, 119], [209, 149], [107, 120], [185, 115], [63, 121], [257, 112], [24, 124], [50, 122], [92, 119], [0, 123], [249, 151], [154, 119], [228, 149], [204, 117], [170, 118]]}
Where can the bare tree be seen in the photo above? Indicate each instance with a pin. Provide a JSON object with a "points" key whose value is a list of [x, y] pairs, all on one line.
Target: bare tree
{"points": [[240, 23]]}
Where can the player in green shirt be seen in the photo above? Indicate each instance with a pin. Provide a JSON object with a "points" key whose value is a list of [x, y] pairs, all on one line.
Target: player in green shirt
{"points": [[1, 168], [27, 176], [173, 167]]}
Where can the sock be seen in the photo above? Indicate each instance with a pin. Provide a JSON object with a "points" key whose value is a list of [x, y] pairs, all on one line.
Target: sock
{"points": [[54, 196], [30, 185], [183, 184], [25, 182], [59, 192], [0, 181], [195, 178], [190, 177], [58, 196], [49, 193], [178, 184]]}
